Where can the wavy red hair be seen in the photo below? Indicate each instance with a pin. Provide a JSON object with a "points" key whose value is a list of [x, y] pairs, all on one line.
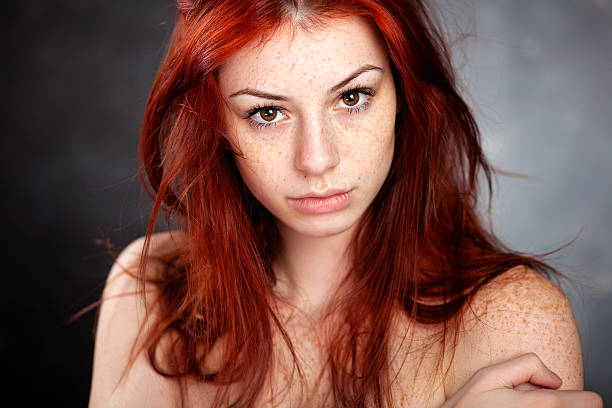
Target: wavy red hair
{"points": [[420, 246]]}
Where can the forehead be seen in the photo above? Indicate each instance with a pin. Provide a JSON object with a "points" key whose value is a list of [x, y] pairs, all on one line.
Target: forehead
{"points": [[296, 57]]}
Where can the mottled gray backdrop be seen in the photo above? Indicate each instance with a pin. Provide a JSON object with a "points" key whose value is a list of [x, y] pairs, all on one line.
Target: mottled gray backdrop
{"points": [[538, 75], [75, 77]]}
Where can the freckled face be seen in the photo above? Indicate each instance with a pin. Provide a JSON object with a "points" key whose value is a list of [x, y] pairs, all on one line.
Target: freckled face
{"points": [[313, 114]]}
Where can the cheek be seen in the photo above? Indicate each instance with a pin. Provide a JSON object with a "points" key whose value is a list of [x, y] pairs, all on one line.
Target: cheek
{"points": [[374, 151], [262, 172]]}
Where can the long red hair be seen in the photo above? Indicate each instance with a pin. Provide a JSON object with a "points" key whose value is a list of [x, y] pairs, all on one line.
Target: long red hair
{"points": [[420, 245]]}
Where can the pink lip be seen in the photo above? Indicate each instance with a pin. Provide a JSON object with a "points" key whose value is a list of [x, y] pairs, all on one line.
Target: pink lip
{"points": [[320, 203]]}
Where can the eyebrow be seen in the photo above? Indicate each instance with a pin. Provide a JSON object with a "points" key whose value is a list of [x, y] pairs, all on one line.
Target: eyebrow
{"points": [[266, 95]]}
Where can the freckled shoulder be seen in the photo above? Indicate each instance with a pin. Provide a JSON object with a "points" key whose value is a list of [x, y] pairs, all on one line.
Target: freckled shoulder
{"points": [[518, 312]]}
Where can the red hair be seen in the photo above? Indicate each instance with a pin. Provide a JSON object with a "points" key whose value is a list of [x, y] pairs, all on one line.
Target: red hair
{"points": [[419, 247]]}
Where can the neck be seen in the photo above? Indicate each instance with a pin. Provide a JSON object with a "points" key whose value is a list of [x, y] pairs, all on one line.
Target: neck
{"points": [[310, 269]]}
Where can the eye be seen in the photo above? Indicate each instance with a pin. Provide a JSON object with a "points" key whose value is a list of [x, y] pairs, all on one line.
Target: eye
{"points": [[268, 114], [265, 116], [351, 98], [356, 99]]}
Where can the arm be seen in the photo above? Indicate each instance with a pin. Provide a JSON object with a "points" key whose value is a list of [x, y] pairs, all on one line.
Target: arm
{"points": [[121, 316], [522, 381]]}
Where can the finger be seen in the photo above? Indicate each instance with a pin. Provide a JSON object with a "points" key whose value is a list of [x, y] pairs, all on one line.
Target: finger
{"points": [[527, 387], [565, 399], [527, 368]]}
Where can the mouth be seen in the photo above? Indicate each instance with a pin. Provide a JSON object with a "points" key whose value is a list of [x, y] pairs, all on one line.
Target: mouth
{"points": [[321, 203]]}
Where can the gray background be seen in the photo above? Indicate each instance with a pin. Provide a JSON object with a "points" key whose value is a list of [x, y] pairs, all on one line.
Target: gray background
{"points": [[76, 74]]}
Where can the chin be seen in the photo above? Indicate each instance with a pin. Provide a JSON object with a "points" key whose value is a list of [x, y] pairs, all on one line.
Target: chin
{"points": [[323, 226]]}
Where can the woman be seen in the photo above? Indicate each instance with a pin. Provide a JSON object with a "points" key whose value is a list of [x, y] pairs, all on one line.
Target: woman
{"points": [[322, 170]]}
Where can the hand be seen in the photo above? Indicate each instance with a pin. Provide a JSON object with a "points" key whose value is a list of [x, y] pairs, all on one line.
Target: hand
{"points": [[522, 382]]}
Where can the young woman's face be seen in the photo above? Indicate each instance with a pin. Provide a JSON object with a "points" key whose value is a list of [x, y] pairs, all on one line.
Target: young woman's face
{"points": [[313, 116]]}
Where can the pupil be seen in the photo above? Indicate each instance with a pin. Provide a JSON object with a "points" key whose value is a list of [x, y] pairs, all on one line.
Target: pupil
{"points": [[268, 114], [351, 98]]}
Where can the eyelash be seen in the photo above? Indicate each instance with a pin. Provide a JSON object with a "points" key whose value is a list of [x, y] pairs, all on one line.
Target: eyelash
{"points": [[261, 125]]}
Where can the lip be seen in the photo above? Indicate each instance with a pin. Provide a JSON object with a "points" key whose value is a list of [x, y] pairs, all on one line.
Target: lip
{"points": [[320, 203]]}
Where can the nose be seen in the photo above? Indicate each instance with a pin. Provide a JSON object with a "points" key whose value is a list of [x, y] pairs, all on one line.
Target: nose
{"points": [[316, 150]]}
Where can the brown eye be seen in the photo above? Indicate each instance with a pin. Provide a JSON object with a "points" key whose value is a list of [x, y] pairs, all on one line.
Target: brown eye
{"points": [[268, 114], [351, 98]]}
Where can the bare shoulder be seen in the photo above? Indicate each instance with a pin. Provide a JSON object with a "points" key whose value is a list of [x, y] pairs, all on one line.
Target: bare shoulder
{"points": [[162, 245], [122, 313], [518, 312]]}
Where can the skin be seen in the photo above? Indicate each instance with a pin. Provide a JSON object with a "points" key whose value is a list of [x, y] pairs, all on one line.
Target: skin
{"points": [[316, 142], [318, 145]]}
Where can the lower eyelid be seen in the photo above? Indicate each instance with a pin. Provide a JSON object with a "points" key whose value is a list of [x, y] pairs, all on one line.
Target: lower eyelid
{"points": [[262, 125], [355, 109]]}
